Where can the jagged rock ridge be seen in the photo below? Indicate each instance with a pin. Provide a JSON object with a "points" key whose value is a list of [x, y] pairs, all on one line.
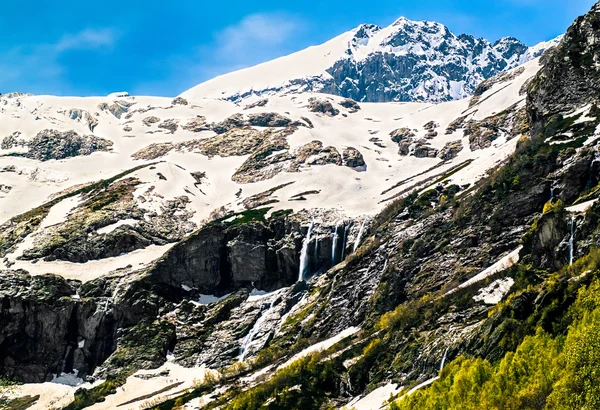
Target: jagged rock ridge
{"points": [[406, 61]]}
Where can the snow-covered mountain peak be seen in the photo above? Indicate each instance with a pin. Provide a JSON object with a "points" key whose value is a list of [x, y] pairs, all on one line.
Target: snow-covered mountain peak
{"points": [[405, 61]]}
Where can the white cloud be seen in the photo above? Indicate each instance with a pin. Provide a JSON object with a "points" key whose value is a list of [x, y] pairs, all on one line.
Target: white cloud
{"points": [[254, 39], [39, 65], [89, 39], [254, 33]]}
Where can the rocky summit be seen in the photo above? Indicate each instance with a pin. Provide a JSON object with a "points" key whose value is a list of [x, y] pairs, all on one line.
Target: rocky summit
{"points": [[406, 61], [281, 248]]}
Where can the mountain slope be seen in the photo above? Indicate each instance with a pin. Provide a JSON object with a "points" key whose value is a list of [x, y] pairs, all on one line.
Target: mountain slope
{"points": [[187, 164], [480, 239], [128, 209], [406, 61]]}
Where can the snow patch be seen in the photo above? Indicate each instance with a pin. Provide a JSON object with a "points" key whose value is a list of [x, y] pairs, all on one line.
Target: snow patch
{"points": [[208, 299], [110, 228], [324, 345], [374, 400], [503, 264], [494, 293], [582, 207], [68, 379]]}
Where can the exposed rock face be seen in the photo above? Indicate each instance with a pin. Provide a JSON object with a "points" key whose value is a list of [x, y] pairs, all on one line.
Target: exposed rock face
{"points": [[92, 231], [52, 144], [266, 162], [179, 101], [197, 124], [322, 106], [402, 134], [451, 150], [351, 105], [482, 134], [267, 119], [52, 326], [169, 125], [45, 331], [222, 257], [569, 78], [259, 103], [235, 121], [314, 153], [148, 121], [414, 61], [244, 141], [154, 151], [490, 82], [408, 144], [82, 115], [552, 229], [431, 127], [118, 108], [455, 125], [353, 158], [12, 141], [242, 252]]}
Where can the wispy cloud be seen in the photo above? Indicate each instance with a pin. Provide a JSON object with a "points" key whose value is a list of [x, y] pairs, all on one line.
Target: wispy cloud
{"points": [[256, 33], [254, 39], [40, 64], [89, 39]]}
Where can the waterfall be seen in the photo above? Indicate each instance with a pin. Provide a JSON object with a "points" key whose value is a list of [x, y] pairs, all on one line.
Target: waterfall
{"points": [[552, 191], [360, 234], [571, 239], [250, 336], [345, 238], [334, 245], [443, 360], [316, 255], [303, 271]]}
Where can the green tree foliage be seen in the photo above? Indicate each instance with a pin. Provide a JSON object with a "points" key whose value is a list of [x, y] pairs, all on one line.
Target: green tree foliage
{"points": [[304, 384], [545, 372]]}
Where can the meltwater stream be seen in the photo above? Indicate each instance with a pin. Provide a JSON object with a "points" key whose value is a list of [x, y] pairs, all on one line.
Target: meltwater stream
{"points": [[571, 240], [334, 245], [360, 234], [303, 270], [257, 326]]}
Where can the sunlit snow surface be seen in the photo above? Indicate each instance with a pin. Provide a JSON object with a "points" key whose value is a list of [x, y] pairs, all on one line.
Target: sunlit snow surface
{"points": [[341, 189]]}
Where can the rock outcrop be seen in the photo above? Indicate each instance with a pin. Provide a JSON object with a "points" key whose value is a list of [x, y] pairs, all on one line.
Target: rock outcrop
{"points": [[52, 144], [322, 106], [48, 330], [569, 78], [353, 158]]}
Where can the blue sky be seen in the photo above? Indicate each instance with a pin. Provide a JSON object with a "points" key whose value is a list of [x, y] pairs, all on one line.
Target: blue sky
{"points": [[162, 48]]}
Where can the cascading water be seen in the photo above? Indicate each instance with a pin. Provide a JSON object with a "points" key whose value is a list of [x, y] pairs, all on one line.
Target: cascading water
{"points": [[334, 244], [316, 255], [360, 234], [444, 359], [552, 191], [571, 240], [345, 238], [257, 326], [303, 271]]}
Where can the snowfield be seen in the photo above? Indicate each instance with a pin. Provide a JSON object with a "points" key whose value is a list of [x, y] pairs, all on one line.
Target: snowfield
{"points": [[139, 122]]}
